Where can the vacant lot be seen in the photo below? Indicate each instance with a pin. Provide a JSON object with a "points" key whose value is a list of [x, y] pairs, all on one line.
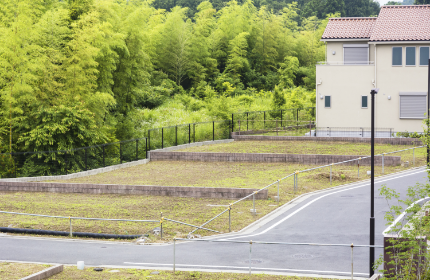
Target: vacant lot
{"points": [[13, 271], [89, 273], [190, 210], [296, 147]]}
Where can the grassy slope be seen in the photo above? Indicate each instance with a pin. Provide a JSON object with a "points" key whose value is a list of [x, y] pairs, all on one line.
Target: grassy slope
{"points": [[12, 271]]}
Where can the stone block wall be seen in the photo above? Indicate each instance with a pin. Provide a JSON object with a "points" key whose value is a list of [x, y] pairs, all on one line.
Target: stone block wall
{"points": [[198, 192], [269, 158]]}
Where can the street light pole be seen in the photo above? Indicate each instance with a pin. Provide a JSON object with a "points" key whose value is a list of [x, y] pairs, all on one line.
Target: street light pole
{"points": [[372, 185]]}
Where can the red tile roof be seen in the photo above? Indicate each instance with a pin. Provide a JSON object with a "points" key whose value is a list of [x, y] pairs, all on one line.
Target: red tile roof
{"points": [[349, 28], [402, 23], [394, 23]]}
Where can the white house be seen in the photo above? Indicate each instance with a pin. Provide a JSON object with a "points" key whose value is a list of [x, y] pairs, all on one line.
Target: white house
{"points": [[389, 52]]}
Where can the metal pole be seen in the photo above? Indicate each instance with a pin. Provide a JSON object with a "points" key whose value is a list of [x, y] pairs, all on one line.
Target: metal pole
{"points": [[174, 255], [253, 203], [372, 187], [413, 153], [247, 116], [297, 180], [281, 118], [428, 116], [294, 182], [194, 132], [276, 127], [149, 143], [278, 193], [383, 157], [70, 222], [176, 135], [250, 253], [213, 131], [162, 138], [86, 166], [146, 147], [331, 172], [352, 261], [310, 128], [161, 226], [137, 149], [120, 153], [229, 218], [358, 175], [189, 133], [239, 127], [232, 122], [104, 165]]}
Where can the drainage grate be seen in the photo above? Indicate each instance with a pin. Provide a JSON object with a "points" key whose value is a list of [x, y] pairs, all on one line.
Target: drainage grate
{"points": [[254, 261], [302, 256]]}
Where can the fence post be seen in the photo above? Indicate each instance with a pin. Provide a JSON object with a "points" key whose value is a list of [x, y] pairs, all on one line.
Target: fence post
{"points": [[383, 157], [232, 122], [65, 163], [213, 131], [276, 127], [239, 127], [331, 172], [161, 226], [120, 152], [264, 121], [250, 254], [162, 138], [229, 218], [278, 198], [176, 135], [352, 261], [247, 115], [253, 203], [194, 133], [174, 255], [70, 222], [149, 143], [137, 149], [86, 167], [189, 133], [358, 175], [146, 147], [104, 163], [294, 182], [297, 180], [310, 128], [413, 152]]}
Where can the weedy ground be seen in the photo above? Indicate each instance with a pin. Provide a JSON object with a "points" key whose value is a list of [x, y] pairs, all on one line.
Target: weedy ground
{"points": [[190, 210], [12, 271], [73, 273]]}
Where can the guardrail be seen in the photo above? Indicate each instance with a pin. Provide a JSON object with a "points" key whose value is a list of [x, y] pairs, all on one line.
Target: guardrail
{"points": [[352, 246]]}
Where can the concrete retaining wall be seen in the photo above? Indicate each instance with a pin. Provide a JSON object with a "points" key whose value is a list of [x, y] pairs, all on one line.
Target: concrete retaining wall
{"points": [[292, 158], [392, 141], [225, 193], [45, 274]]}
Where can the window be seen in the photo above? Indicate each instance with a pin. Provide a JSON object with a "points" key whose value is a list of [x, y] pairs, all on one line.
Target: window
{"points": [[410, 56], [424, 56], [356, 53], [364, 101], [397, 56], [327, 101], [413, 105]]}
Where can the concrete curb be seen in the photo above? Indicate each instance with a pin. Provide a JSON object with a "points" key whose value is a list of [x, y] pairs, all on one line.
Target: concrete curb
{"points": [[45, 274]]}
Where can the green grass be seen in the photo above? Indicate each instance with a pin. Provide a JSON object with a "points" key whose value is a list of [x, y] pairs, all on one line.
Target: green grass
{"points": [[300, 147], [12, 271], [70, 272]]}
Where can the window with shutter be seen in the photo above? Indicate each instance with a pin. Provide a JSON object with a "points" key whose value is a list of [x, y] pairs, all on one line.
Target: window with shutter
{"points": [[413, 105], [356, 54]]}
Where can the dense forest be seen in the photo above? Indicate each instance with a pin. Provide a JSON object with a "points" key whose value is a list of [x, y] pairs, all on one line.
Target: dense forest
{"points": [[81, 72]]}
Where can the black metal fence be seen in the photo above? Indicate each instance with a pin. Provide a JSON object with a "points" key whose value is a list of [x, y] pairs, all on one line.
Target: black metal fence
{"points": [[170, 136], [48, 163]]}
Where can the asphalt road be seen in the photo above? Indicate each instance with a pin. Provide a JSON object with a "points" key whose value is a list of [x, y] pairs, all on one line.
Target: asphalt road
{"points": [[337, 216]]}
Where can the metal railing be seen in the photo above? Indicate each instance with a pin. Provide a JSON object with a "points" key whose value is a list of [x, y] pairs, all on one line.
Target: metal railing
{"points": [[296, 182], [275, 127], [352, 246], [364, 132]]}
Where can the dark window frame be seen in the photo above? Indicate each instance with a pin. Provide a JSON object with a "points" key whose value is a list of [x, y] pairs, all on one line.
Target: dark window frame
{"points": [[329, 101], [428, 56], [367, 102], [414, 56]]}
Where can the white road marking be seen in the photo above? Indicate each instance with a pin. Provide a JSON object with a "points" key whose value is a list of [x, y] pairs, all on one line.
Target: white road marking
{"points": [[246, 267], [318, 198]]}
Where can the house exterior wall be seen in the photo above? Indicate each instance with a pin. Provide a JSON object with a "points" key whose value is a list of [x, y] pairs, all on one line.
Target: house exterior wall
{"points": [[347, 83]]}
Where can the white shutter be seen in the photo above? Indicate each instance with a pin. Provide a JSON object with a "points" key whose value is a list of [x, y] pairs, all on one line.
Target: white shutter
{"points": [[356, 54], [413, 105]]}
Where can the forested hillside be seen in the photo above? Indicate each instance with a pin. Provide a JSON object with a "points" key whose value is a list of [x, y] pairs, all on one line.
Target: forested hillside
{"points": [[81, 72]]}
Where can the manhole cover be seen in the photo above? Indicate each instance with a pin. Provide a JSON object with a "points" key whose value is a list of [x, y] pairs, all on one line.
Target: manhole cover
{"points": [[302, 256], [254, 261]]}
